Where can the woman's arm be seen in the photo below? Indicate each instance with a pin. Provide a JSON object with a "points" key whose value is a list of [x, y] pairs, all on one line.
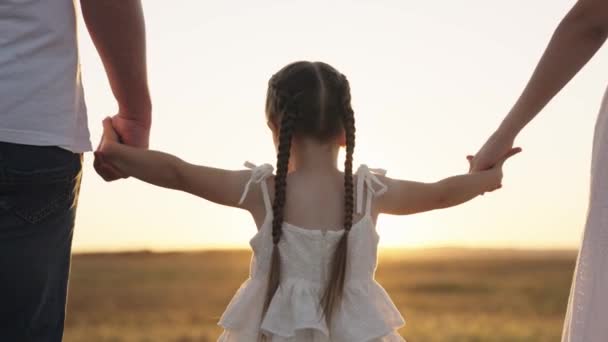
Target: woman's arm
{"points": [[575, 41]]}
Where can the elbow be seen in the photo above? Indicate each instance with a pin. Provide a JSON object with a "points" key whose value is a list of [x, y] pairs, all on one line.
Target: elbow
{"points": [[443, 202], [595, 32], [442, 198], [588, 21], [176, 179], [598, 32]]}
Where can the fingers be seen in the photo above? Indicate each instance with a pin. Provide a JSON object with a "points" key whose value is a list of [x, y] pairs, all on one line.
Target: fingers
{"points": [[106, 170], [499, 186], [512, 152], [509, 154], [108, 130], [116, 128], [476, 165], [107, 125], [102, 169], [470, 158]]}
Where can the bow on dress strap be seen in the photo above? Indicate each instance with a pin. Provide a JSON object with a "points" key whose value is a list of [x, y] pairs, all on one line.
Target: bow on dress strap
{"points": [[367, 176], [258, 175]]}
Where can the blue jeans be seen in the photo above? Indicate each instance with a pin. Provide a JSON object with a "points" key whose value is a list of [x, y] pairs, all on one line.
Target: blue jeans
{"points": [[38, 195]]}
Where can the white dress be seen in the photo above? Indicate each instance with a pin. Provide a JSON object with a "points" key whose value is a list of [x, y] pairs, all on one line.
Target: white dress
{"points": [[366, 313], [587, 315]]}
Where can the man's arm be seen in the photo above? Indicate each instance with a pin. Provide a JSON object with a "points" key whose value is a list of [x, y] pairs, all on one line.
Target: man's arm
{"points": [[575, 41], [118, 32]]}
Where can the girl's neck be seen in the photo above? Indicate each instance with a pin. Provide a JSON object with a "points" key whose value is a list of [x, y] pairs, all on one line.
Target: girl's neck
{"points": [[310, 155]]}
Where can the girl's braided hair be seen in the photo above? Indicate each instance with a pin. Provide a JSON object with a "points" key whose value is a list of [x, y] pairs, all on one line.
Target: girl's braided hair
{"points": [[310, 99]]}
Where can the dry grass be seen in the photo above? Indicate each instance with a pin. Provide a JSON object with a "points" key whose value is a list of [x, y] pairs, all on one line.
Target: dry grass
{"points": [[444, 295]]}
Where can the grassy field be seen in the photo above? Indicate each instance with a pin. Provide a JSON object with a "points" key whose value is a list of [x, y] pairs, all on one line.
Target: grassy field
{"points": [[444, 295]]}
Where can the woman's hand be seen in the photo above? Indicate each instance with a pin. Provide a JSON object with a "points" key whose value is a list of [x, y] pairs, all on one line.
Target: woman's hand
{"points": [[498, 145], [496, 168]]}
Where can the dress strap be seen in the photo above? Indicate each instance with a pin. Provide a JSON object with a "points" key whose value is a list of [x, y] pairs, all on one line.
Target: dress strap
{"points": [[367, 177], [259, 175]]}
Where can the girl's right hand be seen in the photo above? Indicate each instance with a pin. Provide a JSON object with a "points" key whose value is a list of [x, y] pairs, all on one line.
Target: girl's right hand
{"points": [[102, 163], [496, 169]]}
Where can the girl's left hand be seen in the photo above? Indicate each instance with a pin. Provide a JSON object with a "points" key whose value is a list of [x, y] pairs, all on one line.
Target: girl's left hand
{"points": [[496, 169], [109, 136]]}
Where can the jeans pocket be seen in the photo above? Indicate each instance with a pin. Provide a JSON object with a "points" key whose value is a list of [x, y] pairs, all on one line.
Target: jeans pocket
{"points": [[25, 164], [36, 184], [34, 204], [36, 187]]}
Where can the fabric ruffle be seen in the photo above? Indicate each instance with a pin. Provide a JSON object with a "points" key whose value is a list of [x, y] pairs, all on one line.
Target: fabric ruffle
{"points": [[366, 314], [307, 335]]}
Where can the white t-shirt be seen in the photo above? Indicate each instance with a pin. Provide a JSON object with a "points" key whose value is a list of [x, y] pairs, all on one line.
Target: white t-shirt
{"points": [[41, 95]]}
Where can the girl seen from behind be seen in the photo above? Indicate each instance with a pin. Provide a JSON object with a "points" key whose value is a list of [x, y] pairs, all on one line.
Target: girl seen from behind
{"points": [[315, 252]]}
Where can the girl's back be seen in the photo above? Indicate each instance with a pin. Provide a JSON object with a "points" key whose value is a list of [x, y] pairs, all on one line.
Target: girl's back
{"points": [[315, 199], [307, 246]]}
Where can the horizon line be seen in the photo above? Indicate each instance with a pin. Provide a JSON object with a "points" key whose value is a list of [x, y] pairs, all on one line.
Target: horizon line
{"points": [[389, 249]]}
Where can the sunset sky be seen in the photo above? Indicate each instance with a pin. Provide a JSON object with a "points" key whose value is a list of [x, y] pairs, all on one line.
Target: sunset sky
{"points": [[430, 81]]}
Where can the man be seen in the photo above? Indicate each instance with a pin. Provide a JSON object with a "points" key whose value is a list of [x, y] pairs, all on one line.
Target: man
{"points": [[579, 36], [43, 133]]}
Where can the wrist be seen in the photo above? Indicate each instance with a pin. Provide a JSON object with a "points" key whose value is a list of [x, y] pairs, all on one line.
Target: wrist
{"points": [[506, 132], [504, 136], [140, 114], [514, 122]]}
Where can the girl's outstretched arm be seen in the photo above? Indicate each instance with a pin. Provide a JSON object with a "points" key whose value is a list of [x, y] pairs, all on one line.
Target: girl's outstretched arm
{"points": [[405, 197], [162, 169]]}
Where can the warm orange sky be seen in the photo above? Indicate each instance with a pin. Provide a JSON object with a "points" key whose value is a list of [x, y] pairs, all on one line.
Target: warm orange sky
{"points": [[430, 81]]}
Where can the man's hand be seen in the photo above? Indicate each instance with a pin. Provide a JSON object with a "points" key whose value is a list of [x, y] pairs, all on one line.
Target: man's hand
{"points": [[119, 129], [118, 31], [131, 132]]}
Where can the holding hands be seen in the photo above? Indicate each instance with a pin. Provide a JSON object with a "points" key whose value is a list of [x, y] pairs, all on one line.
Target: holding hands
{"points": [[119, 129], [488, 162], [497, 147], [110, 138], [491, 158]]}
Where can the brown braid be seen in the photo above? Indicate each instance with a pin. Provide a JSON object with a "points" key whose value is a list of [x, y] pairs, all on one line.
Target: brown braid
{"points": [[335, 286], [284, 151], [312, 100]]}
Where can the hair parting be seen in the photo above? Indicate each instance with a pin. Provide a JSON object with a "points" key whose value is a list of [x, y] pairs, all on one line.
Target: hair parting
{"points": [[312, 100]]}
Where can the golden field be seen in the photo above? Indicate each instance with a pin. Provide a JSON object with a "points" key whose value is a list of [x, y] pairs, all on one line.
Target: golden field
{"points": [[448, 295]]}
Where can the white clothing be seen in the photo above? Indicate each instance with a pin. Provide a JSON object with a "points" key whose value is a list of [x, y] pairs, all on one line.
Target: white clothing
{"points": [[42, 100], [587, 315], [365, 314]]}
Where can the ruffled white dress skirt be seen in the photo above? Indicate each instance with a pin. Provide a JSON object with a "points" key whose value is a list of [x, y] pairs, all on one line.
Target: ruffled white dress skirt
{"points": [[366, 315]]}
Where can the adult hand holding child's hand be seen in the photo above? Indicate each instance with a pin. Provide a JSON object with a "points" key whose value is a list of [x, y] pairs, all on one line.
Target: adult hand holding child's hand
{"points": [[496, 169], [102, 166]]}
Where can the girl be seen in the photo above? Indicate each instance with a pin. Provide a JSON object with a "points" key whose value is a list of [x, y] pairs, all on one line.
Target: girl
{"points": [[314, 255]]}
